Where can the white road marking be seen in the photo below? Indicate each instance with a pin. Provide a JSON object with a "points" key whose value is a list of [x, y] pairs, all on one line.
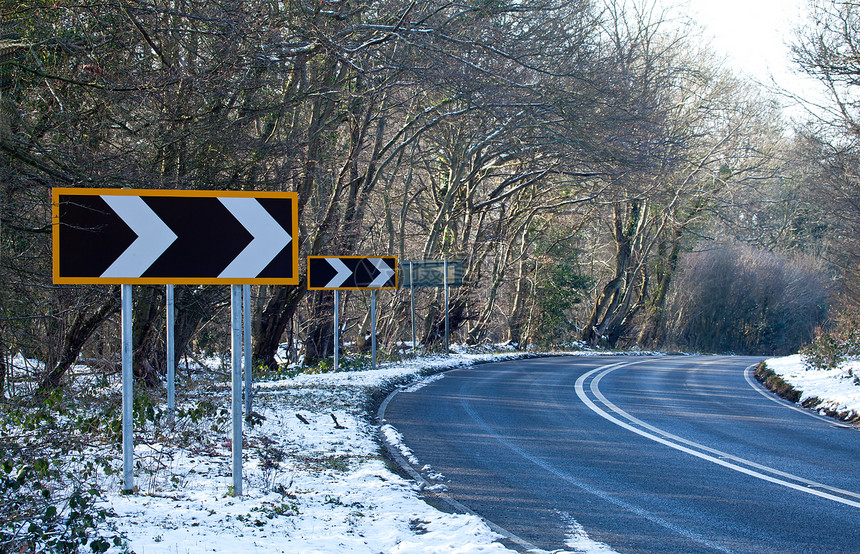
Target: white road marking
{"points": [[567, 477], [704, 452]]}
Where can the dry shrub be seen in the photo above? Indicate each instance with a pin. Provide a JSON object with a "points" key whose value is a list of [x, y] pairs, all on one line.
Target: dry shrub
{"points": [[747, 301]]}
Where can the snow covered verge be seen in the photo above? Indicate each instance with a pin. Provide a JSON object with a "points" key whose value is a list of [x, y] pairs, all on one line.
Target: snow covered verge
{"points": [[315, 477], [833, 392]]}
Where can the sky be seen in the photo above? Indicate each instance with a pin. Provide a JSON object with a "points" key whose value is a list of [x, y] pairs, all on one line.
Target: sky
{"points": [[752, 34]]}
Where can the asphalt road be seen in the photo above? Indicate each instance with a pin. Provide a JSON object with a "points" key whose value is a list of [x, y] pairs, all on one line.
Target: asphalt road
{"points": [[647, 454]]}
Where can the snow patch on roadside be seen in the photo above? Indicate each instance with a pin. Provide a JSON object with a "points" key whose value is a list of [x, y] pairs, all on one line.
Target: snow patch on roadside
{"points": [[424, 382], [314, 480], [580, 542], [835, 388], [395, 439]]}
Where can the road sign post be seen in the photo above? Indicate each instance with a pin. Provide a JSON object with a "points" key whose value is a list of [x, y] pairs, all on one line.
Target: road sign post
{"points": [[236, 384], [352, 273], [337, 330], [431, 273], [171, 353], [153, 236], [412, 298], [127, 393], [445, 285], [373, 328]]}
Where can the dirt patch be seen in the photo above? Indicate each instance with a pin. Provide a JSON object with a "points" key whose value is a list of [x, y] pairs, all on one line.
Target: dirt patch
{"points": [[776, 384]]}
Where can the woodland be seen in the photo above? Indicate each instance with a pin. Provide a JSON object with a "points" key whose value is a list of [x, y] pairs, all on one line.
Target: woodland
{"points": [[602, 176]]}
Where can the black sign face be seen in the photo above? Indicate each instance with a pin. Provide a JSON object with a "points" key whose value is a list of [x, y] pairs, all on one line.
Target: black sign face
{"points": [[430, 273], [352, 272], [174, 237]]}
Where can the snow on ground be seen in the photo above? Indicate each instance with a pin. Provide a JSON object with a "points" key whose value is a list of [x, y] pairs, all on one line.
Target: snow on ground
{"points": [[316, 487], [324, 486], [837, 389]]}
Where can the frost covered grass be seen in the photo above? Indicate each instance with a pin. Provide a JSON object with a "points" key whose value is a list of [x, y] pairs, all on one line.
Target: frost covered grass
{"points": [[314, 477]]}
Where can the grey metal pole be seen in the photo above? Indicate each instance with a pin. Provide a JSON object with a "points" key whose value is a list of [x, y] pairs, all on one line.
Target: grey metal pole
{"points": [[127, 394], [246, 321], [445, 281], [336, 329], [171, 355], [412, 299], [373, 328], [236, 345]]}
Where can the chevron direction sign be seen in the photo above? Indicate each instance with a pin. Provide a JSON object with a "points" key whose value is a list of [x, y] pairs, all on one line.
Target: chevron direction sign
{"points": [[352, 272], [128, 236]]}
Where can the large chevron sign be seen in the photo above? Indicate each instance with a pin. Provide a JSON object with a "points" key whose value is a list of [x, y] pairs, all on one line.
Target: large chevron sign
{"points": [[352, 272], [135, 236]]}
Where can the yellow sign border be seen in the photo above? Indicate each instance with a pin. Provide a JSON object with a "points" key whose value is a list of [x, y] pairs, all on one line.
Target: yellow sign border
{"points": [[55, 222], [396, 273]]}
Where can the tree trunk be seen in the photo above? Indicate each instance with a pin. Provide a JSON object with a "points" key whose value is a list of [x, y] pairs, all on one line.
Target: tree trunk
{"points": [[3, 372], [278, 312], [651, 333], [147, 364], [611, 301], [81, 329], [319, 337]]}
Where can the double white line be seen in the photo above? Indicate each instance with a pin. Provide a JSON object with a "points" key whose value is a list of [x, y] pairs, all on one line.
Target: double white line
{"points": [[623, 419]]}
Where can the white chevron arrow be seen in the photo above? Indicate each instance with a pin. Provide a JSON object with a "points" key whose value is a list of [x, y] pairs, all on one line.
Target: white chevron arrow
{"points": [[269, 238], [343, 272], [153, 236], [385, 273]]}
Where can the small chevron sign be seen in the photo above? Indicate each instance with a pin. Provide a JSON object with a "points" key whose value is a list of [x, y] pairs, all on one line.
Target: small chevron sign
{"points": [[137, 236], [352, 272]]}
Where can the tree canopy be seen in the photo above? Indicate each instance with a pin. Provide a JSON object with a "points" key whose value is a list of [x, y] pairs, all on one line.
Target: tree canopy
{"points": [[572, 155]]}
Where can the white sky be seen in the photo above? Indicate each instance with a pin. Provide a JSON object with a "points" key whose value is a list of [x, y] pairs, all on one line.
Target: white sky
{"points": [[752, 32], [753, 36]]}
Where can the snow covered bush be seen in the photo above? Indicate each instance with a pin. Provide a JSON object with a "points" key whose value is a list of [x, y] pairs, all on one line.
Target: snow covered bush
{"points": [[829, 349], [48, 503]]}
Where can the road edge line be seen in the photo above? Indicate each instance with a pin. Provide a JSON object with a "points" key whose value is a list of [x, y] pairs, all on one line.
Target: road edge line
{"points": [[759, 387]]}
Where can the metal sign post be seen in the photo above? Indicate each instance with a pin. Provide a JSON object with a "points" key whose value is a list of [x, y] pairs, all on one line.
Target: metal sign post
{"points": [[127, 394], [246, 340], [445, 284], [236, 344], [412, 299], [336, 329], [373, 328], [171, 354]]}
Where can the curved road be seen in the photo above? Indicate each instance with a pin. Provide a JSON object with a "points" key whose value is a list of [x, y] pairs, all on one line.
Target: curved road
{"points": [[646, 454]]}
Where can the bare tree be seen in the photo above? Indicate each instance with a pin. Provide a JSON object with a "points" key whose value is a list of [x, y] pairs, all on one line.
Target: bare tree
{"points": [[825, 48]]}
